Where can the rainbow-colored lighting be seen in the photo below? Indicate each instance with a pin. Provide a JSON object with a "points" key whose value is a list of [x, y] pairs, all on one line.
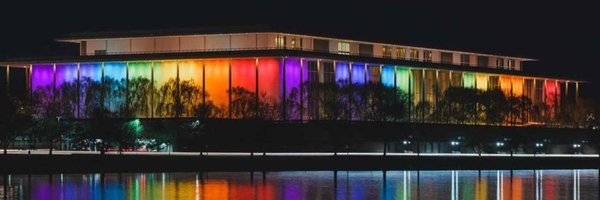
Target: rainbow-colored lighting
{"points": [[274, 78]]}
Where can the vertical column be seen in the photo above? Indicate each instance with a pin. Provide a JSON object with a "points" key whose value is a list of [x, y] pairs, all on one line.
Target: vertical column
{"points": [[152, 84], [301, 90], [319, 74], [229, 93], [179, 110], [54, 81], [203, 84], [126, 85], [350, 72], [257, 91], [78, 90], [576, 91], [409, 100], [395, 79], [283, 99], [544, 92], [102, 87], [533, 91], [437, 87], [30, 86], [365, 74], [423, 87]]}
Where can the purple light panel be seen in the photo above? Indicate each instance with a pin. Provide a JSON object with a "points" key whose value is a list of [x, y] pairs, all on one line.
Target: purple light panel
{"points": [[342, 73], [66, 73], [42, 76], [358, 73]]}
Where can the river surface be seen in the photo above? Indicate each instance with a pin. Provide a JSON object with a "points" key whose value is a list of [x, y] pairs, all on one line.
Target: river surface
{"points": [[461, 184]]}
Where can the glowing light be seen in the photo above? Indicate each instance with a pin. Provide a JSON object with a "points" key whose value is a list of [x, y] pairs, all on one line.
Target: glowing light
{"points": [[505, 85], [42, 75], [243, 73], [468, 80], [387, 76], [358, 73], [66, 73], [268, 77], [481, 80], [217, 82], [402, 79], [342, 72]]}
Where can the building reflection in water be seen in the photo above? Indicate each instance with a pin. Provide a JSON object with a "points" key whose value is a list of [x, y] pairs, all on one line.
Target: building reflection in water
{"points": [[504, 184]]}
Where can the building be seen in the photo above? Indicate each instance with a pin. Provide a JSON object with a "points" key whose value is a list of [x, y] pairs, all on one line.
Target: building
{"points": [[166, 74]]}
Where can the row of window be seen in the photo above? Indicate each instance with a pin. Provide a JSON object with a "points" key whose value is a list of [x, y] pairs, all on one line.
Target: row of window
{"points": [[343, 48]]}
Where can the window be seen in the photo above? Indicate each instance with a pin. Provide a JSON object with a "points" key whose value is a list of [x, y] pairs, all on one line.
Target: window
{"points": [[280, 42], [387, 52], [321, 45], [401, 53], [414, 54], [343, 48], [511, 64], [296, 43], [465, 59], [447, 57], [499, 63], [365, 50], [328, 72], [427, 56], [374, 74], [313, 72], [482, 61]]}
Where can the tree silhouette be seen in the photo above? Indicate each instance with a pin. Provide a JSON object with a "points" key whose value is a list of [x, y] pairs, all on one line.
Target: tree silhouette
{"points": [[15, 118]]}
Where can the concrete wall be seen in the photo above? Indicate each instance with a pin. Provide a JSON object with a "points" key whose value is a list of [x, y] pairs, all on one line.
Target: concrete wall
{"points": [[167, 44], [142, 44], [192, 43]]}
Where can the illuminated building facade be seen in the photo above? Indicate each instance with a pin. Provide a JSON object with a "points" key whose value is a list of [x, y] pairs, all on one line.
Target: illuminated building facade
{"points": [[170, 74]]}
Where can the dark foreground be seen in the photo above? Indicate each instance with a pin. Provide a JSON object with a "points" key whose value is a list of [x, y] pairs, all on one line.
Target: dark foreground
{"points": [[14, 164]]}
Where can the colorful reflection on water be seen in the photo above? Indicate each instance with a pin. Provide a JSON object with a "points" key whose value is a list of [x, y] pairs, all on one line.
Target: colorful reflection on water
{"points": [[505, 184]]}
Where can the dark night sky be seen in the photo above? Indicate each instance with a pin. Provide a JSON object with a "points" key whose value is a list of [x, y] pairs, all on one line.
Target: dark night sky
{"points": [[564, 37]]}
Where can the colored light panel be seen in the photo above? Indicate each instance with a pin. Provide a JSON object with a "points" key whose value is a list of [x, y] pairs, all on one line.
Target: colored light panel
{"points": [[89, 74], [387, 76], [268, 77], [292, 75], [140, 93], [66, 73], [165, 83], [505, 85], [517, 86], [243, 73], [342, 72], [403, 79], [468, 80], [115, 70], [552, 93], [190, 73], [482, 81], [164, 71], [93, 71], [217, 82], [42, 75], [358, 73], [191, 70], [138, 70]]}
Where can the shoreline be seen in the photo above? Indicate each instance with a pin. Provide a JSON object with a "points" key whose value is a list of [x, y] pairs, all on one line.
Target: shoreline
{"points": [[44, 164]]}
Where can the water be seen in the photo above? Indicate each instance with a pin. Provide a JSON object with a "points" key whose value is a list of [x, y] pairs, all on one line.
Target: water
{"points": [[490, 184]]}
